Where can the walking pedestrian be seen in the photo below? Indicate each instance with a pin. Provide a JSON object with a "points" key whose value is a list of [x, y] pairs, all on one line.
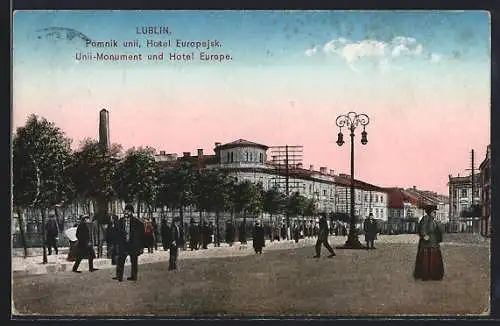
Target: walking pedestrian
{"points": [[370, 228], [429, 263], [131, 243], [323, 238], [84, 249], [176, 240], [258, 238]]}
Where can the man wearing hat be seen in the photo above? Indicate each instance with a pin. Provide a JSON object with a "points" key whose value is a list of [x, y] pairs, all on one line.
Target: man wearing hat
{"points": [[176, 240], [258, 238], [370, 228], [83, 249], [323, 238], [130, 243]]}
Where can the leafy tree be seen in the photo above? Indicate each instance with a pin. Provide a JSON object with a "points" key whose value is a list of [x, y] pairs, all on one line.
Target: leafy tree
{"points": [[274, 202], [176, 188], [248, 198], [41, 158], [217, 197], [310, 208], [297, 205], [136, 179], [93, 171]]}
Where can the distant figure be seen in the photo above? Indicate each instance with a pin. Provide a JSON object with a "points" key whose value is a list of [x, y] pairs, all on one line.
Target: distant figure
{"points": [[155, 232], [296, 232], [52, 231], [242, 233], [165, 234], [175, 240], [429, 262], [112, 237], [205, 235], [323, 238], [83, 248], [230, 233], [194, 233], [258, 238], [149, 235], [370, 229], [130, 243], [283, 232]]}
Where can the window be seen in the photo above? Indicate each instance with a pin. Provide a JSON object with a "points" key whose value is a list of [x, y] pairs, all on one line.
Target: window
{"points": [[464, 192], [261, 158], [228, 157], [232, 157], [251, 157], [324, 192], [366, 197], [246, 156], [381, 199]]}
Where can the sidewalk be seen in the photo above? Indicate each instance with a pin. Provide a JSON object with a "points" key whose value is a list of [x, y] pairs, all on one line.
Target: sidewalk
{"points": [[58, 263]]}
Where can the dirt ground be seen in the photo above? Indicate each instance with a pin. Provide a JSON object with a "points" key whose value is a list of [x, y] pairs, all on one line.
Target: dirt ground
{"points": [[280, 282]]}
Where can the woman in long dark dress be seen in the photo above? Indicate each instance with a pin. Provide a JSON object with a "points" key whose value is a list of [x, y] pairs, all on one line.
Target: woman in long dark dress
{"points": [[258, 238], [429, 264]]}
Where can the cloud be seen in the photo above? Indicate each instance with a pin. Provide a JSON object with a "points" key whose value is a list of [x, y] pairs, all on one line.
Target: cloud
{"points": [[312, 51], [435, 58], [371, 49]]}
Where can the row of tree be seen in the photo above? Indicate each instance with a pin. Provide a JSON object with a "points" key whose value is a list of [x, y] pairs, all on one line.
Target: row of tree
{"points": [[49, 175]]}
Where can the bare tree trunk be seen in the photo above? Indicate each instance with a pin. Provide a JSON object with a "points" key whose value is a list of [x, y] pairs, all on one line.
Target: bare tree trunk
{"points": [[44, 247], [20, 218], [181, 215], [217, 233]]}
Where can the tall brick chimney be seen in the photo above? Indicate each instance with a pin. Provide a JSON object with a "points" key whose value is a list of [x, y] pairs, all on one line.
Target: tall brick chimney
{"points": [[104, 129], [322, 169], [311, 167], [200, 152]]}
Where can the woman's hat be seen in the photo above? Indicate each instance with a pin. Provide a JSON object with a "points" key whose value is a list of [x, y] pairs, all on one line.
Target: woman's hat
{"points": [[430, 208]]}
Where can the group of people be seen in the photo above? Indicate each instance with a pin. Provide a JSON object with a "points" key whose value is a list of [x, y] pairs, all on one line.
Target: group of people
{"points": [[129, 240], [128, 237]]}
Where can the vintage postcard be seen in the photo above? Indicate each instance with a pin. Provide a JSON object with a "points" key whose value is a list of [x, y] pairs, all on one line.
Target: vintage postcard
{"points": [[251, 163]]}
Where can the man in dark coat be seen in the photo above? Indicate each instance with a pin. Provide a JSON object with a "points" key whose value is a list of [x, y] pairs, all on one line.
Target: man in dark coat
{"points": [[176, 240], [370, 229], [165, 233], [83, 249], [230, 233], [52, 231], [323, 238], [242, 233], [155, 232], [130, 243], [194, 233], [258, 238]]}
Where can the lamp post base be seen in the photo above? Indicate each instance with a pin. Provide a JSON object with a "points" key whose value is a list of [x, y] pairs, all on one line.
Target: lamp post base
{"points": [[352, 243]]}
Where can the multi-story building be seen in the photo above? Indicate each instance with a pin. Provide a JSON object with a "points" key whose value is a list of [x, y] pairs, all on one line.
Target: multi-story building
{"points": [[404, 211], [441, 202], [463, 217], [247, 160], [485, 169]]}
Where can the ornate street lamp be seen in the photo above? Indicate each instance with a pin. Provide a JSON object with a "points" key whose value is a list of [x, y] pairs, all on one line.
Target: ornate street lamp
{"points": [[351, 121]]}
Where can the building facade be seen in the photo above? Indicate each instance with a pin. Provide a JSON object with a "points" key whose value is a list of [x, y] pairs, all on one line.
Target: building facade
{"points": [[463, 198], [485, 169]]}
